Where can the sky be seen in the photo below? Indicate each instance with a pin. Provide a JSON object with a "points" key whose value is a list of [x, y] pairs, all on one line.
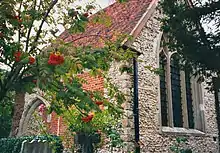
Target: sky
{"points": [[102, 3]]}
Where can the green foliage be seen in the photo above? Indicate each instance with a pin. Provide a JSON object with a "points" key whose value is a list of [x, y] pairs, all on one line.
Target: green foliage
{"points": [[20, 33], [64, 87], [99, 122], [6, 115], [183, 25], [56, 69], [176, 147], [13, 145], [114, 136], [126, 68]]}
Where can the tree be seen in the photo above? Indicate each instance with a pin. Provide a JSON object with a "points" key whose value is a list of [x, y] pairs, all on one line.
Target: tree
{"points": [[185, 24], [27, 66]]}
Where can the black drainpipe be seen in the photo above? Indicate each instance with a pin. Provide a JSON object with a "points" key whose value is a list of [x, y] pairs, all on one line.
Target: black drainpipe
{"points": [[136, 107], [216, 83]]}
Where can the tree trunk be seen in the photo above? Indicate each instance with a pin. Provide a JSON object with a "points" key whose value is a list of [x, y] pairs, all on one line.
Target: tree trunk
{"points": [[17, 112]]}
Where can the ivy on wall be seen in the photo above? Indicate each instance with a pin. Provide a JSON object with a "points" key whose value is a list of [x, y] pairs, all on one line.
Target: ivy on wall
{"points": [[13, 145]]}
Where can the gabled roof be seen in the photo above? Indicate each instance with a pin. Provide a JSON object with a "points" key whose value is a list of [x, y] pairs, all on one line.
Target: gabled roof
{"points": [[125, 18]]}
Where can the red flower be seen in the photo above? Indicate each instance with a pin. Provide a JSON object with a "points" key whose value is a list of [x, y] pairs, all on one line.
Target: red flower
{"points": [[87, 118], [86, 15], [17, 56], [34, 81], [55, 59], [18, 18], [99, 102], [31, 60]]}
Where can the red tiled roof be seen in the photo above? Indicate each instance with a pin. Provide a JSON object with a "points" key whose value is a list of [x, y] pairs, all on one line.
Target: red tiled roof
{"points": [[124, 18]]}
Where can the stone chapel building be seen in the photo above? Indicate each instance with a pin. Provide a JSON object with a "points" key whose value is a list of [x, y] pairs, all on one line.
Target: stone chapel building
{"points": [[160, 108]]}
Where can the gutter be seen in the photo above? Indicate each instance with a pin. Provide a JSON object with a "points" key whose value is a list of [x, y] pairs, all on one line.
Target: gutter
{"points": [[136, 106]]}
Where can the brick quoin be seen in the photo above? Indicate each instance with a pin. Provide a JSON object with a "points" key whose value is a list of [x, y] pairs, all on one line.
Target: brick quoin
{"points": [[57, 124]]}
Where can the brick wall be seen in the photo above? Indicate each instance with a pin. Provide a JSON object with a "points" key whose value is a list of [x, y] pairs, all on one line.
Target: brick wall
{"points": [[57, 124]]}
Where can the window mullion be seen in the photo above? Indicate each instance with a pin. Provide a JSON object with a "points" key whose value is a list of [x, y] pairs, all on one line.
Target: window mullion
{"points": [[201, 107], [169, 93], [184, 100], [163, 91], [198, 103]]}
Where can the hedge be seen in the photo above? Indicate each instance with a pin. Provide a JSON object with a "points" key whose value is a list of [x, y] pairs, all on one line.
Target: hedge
{"points": [[13, 145]]}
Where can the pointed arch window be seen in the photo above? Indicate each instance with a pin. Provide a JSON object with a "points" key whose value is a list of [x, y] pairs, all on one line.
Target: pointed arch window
{"points": [[189, 100], [163, 90], [180, 99], [176, 91]]}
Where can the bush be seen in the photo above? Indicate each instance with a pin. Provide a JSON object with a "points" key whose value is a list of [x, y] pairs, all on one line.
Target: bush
{"points": [[13, 145], [6, 107], [177, 146]]}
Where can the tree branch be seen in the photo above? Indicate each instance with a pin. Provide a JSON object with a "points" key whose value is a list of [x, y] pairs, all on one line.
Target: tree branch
{"points": [[14, 74], [19, 30], [205, 10], [30, 28], [22, 73], [199, 26], [53, 3]]}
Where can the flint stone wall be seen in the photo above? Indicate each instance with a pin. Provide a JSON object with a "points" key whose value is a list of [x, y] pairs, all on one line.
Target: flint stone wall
{"points": [[153, 140]]}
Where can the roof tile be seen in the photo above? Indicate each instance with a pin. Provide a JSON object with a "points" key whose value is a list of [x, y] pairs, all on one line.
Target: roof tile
{"points": [[124, 17]]}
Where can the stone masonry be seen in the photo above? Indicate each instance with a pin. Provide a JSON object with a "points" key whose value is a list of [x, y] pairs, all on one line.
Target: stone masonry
{"points": [[153, 140]]}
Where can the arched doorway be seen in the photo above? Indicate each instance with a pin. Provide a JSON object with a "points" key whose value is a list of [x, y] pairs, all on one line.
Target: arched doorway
{"points": [[30, 108]]}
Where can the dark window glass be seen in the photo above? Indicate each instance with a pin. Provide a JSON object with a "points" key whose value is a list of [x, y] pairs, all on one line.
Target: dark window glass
{"points": [[176, 92], [163, 95], [189, 100]]}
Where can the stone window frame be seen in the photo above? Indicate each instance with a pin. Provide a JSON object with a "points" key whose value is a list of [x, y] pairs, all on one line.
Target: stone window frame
{"points": [[197, 96]]}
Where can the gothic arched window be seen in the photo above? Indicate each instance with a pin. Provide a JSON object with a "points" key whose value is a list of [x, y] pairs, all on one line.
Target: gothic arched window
{"points": [[180, 94], [163, 90], [176, 91]]}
